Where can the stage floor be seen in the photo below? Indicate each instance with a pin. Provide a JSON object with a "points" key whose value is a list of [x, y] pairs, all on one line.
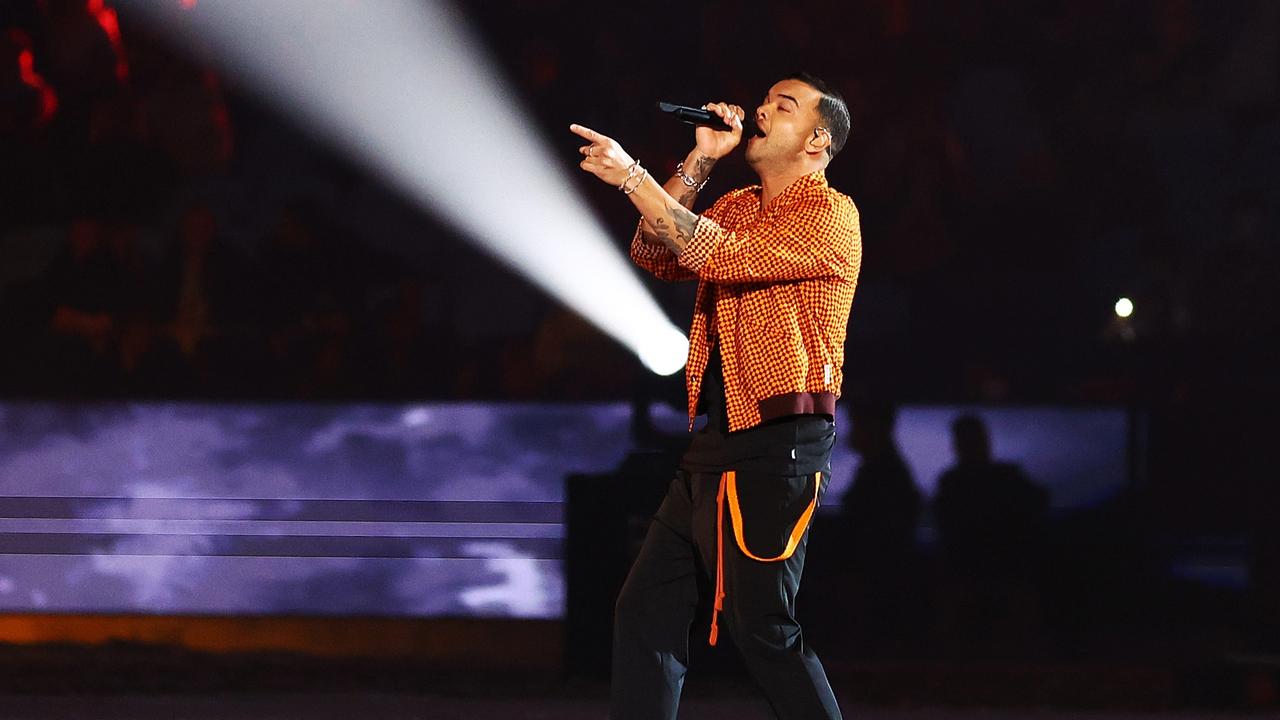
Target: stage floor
{"points": [[583, 704]]}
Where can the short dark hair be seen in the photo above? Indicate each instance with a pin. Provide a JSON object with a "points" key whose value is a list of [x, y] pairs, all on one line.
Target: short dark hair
{"points": [[831, 108]]}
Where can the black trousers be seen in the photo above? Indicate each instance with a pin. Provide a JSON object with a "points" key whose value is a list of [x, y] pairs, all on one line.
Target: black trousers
{"points": [[656, 607]]}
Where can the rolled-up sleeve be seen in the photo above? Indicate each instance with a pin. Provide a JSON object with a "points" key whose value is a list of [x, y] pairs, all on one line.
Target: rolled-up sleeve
{"points": [[818, 237], [657, 259]]}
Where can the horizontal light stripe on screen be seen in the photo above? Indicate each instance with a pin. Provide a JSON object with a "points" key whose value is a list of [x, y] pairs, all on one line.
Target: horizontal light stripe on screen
{"points": [[265, 546], [281, 509], [277, 528]]}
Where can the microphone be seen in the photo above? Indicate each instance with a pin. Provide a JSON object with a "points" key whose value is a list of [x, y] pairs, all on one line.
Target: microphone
{"points": [[706, 118]]}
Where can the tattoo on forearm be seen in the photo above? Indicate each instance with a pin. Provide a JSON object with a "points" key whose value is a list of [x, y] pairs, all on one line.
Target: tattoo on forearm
{"points": [[675, 229], [702, 168], [685, 222], [663, 232], [699, 172]]}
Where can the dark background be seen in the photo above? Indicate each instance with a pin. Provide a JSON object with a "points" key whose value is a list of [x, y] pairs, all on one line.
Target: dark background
{"points": [[1018, 167]]}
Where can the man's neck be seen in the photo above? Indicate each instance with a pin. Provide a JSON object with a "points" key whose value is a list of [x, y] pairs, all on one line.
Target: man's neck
{"points": [[774, 183]]}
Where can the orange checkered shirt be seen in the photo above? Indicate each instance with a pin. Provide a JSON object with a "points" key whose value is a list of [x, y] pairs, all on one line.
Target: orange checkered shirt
{"points": [[775, 286]]}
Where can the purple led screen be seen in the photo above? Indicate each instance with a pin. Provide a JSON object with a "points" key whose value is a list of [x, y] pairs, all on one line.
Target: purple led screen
{"points": [[373, 509], [1080, 455]]}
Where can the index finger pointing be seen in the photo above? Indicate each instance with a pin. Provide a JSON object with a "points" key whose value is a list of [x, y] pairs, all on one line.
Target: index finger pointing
{"points": [[586, 132]]}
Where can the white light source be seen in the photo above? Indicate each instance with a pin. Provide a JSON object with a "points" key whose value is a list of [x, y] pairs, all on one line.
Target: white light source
{"points": [[667, 353], [1124, 307], [403, 87]]}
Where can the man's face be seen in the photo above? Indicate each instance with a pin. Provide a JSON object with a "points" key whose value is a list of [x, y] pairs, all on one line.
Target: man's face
{"points": [[787, 117]]}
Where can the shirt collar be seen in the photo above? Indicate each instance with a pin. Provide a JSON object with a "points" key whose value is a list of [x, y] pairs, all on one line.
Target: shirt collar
{"points": [[817, 178]]}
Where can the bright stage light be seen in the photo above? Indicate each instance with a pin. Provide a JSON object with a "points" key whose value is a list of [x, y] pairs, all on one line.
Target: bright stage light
{"points": [[402, 86], [1124, 307]]}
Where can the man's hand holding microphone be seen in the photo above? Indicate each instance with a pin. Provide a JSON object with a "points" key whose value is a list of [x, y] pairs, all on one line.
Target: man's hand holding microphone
{"points": [[605, 158]]}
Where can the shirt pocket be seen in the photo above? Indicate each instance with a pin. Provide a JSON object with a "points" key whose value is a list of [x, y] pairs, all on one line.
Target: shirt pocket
{"points": [[759, 310]]}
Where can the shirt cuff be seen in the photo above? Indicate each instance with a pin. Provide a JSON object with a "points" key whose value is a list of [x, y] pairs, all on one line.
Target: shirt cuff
{"points": [[642, 250], [705, 236]]}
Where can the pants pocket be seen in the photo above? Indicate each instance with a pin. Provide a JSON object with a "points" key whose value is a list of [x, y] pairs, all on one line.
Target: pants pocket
{"points": [[771, 513]]}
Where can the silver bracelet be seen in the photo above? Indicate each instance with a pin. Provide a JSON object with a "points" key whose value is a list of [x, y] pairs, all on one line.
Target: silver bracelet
{"points": [[631, 172], [643, 174], [688, 180]]}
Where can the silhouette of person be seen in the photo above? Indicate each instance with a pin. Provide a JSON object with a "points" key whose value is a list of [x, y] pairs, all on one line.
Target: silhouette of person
{"points": [[882, 508], [989, 515], [880, 514], [990, 519]]}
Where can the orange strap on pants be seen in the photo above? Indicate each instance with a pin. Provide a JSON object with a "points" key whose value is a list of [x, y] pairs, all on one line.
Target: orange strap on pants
{"points": [[729, 486]]}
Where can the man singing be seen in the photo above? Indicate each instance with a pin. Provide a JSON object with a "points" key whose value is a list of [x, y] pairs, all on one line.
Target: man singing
{"points": [[776, 265]]}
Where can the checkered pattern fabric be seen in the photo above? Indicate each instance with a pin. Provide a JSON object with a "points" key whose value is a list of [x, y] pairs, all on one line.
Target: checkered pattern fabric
{"points": [[775, 289]]}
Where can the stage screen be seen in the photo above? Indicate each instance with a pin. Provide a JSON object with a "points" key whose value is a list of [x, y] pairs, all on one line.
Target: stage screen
{"points": [[411, 510]]}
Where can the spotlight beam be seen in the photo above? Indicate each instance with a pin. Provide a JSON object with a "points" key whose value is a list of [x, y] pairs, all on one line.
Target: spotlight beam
{"points": [[403, 87]]}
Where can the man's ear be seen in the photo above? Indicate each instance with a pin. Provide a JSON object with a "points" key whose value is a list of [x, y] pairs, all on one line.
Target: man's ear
{"points": [[818, 141]]}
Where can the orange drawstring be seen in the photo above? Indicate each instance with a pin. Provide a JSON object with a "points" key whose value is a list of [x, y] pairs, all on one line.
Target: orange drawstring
{"points": [[729, 481], [719, 601]]}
